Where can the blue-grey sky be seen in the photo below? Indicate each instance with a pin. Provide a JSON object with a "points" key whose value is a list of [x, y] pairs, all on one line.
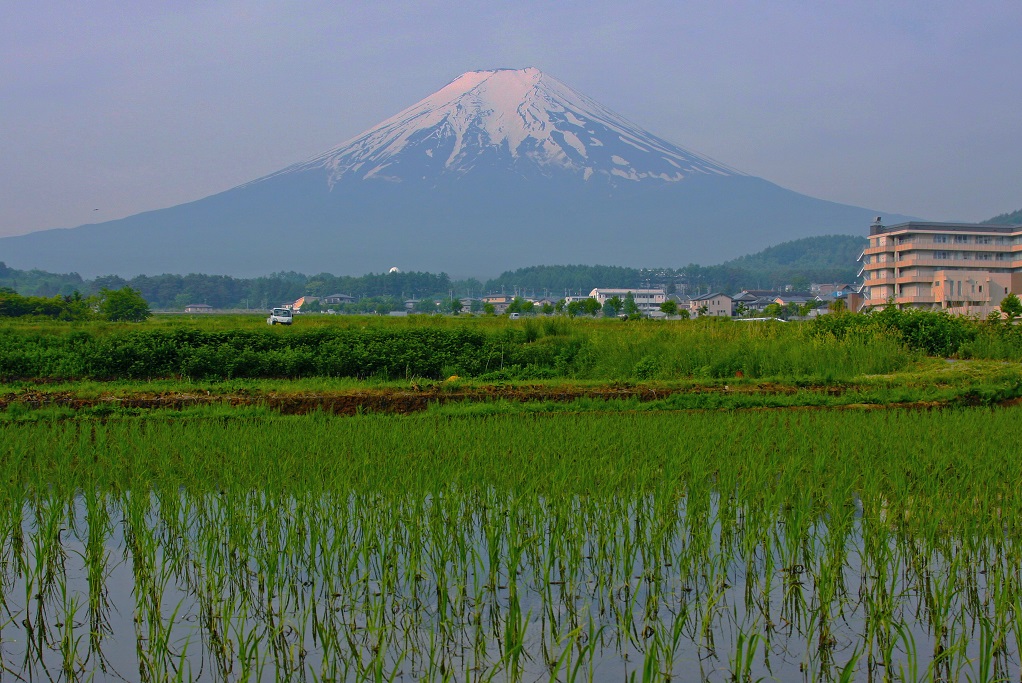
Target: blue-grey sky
{"points": [[111, 108]]}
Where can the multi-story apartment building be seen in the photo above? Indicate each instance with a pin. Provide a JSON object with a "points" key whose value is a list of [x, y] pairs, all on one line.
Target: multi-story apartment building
{"points": [[958, 267]]}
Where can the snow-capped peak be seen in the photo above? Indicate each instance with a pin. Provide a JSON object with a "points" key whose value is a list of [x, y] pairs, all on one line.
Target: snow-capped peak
{"points": [[521, 117]]}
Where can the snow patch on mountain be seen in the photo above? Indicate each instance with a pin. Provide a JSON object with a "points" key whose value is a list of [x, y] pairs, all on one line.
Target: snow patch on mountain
{"points": [[519, 118]]}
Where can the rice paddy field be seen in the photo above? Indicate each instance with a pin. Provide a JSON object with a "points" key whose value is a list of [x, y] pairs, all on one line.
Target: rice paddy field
{"points": [[857, 521]]}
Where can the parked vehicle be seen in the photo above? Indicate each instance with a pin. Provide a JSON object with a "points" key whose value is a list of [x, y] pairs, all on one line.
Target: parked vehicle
{"points": [[279, 315]]}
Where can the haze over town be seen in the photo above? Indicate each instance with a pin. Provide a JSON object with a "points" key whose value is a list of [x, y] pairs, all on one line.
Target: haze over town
{"points": [[114, 108]]}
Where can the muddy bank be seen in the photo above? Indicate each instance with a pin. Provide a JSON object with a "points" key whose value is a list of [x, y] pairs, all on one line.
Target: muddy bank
{"points": [[392, 401]]}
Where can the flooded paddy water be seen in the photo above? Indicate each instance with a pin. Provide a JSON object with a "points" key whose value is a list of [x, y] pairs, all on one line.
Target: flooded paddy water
{"points": [[719, 546]]}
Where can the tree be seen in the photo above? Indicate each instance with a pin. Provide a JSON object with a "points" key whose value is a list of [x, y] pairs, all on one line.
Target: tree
{"points": [[547, 308], [741, 309], [837, 306], [703, 310], [560, 306], [124, 304], [489, 309], [630, 307], [1011, 306], [591, 306], [612, 306], [517, 305], [455, 306], [670, 307], [800, 283], [773, 310]]}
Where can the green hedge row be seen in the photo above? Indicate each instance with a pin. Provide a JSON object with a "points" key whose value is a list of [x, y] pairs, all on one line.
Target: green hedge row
{"points": [[390, 354]]}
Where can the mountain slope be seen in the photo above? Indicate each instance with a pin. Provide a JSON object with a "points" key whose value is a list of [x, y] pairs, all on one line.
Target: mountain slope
{"points": [[497, 170], [1013, 218]]}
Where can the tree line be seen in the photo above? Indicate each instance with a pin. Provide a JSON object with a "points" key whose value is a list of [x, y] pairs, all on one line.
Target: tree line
{"points": [[119, 305], [814, 259]]}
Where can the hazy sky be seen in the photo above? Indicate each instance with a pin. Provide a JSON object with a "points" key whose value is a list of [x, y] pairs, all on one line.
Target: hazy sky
{"points": [[111, 108]]}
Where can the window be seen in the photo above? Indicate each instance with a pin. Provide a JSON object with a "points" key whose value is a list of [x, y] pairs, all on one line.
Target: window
{"points": [[984, 240], [940, 239], [981, 256], [961, 239], [941, 255]]}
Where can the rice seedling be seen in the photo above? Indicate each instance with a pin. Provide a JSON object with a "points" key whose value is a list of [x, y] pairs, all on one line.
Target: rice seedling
{"points": [[516, 546]]}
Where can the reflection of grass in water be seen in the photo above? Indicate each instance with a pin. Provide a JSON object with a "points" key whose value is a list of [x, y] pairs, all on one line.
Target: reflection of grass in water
{"points": [[748, 544]]}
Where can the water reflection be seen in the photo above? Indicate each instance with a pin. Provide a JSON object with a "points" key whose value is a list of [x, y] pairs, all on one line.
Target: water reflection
{"points": [[474, 585]]}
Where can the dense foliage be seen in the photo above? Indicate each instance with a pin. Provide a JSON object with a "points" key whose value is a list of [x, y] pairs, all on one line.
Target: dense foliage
{"points": [[563, 280], [172, 292], [839, 345], [121, 305]]}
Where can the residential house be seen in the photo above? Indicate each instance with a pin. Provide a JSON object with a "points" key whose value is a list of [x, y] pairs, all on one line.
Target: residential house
{"points": [[302, 301], [747, 303], [716, 304], [335, 299], [500, 302], [198, 308], [831, 290]]}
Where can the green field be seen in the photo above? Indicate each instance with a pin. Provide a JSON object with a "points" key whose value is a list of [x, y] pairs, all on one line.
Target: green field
{"points": [[704, 500]]}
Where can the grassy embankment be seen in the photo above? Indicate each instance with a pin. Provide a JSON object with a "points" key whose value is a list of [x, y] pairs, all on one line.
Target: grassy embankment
{"points": [[346, 364]]}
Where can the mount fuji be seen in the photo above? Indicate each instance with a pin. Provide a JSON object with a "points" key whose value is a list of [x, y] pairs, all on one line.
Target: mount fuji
{"points": [[497, 170]]}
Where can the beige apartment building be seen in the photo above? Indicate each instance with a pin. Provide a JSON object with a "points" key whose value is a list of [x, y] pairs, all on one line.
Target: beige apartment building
{"points": [[647, 300], [962, 268]]}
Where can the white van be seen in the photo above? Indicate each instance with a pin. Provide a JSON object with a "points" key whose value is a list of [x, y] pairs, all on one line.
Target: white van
{"points": [[279, 315]]}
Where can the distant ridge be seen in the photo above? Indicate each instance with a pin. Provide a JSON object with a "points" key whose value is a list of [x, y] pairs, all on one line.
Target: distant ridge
{"points": [[1013, 218], [497, 170]]}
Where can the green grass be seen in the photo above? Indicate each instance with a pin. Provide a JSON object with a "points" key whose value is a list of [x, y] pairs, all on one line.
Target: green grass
{"points": [[436, 348]]}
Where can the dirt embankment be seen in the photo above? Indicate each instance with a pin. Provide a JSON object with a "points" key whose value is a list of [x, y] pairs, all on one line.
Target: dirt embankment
{"points": [[395, 401]]}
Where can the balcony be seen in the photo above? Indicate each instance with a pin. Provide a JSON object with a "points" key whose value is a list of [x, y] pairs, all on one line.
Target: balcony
{"points": [[958, 264], [915, 299], [914, 276]]}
